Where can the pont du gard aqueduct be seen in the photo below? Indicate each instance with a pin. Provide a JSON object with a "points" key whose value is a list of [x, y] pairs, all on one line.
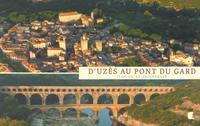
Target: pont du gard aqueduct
{"points": [[78, 98]]}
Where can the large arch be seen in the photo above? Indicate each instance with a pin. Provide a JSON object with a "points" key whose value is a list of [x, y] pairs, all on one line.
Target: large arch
{"points": [[21, 99], [153, 96], [53, 112], [36, 99], [122, 111], [70, 112], [105, 99], [35, 112], [139, 99], [69, 99], [86, 99], [52, 99], [123, 99]]}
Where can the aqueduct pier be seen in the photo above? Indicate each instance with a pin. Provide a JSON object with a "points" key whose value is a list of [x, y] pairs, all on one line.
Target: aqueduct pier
{"points": [[78, 98]]}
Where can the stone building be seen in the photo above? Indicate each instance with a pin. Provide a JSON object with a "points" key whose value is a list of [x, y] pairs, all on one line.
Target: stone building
{"points": [[66, 17], [55, 52], [98, 45], [84, 42], [181, 58], [62, 42]]}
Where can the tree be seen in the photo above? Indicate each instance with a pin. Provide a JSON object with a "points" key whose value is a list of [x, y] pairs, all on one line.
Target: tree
{"points": [[147, 13], [177, 47], [137, 33], [109, 51], [9, 122], [130, 62], [1, 19], [155, 37], [15, 17], [97, 12], [123, 28], [8, 103], [196, 123], [47, 15]]}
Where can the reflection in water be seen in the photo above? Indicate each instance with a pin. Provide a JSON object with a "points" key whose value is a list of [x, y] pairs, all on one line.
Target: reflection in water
{"points": [[86, 120], [104, 118], [63, 122], [87, 112]]}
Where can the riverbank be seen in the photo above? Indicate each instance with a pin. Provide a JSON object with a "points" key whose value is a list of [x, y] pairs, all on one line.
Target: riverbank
{"points": [[129, 121], [38, 121]]}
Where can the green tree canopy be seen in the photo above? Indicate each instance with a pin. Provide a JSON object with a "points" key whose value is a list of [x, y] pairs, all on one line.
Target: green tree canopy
{"points": [[155, 37], [15, 17], [9, 122], [9, 107], [147, 13], [130, 62]]}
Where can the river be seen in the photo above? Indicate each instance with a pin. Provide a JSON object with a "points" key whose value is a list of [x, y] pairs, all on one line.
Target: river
{"points": [[104, 119]]}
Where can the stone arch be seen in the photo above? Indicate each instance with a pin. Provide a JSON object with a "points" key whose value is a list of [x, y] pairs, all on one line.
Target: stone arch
{"points": [[139, 99], [154, 96], [21, 99], [69, 99], [36, 111], [52, 99], [70, 112], [121, 111], [123, 99], [86, 99], [105, 99], [36, 99], [53, 112]]}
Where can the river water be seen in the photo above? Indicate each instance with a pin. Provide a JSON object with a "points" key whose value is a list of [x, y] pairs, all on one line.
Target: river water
{"points": [[104, 119]]}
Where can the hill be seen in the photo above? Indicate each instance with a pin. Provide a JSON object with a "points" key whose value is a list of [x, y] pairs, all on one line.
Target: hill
{"points": [[69, 80], [147, 21], [177, 4], [171, 109]]}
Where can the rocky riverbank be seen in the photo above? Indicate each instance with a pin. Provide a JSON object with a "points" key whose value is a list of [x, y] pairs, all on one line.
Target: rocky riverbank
{"points": [[129, 121], [133, 122], [63, 122]]}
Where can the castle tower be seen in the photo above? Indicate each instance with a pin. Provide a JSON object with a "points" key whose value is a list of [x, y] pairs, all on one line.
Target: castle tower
{"points": [[62, 42], [172, 57], [76, 48], [171, 52], [84, 42], [92, 16], [98, 45]]}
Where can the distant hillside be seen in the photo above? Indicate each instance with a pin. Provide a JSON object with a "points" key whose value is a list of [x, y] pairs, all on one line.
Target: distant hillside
{"points": [[68, 80], [171, 109], [146, 21], [177, 4]]}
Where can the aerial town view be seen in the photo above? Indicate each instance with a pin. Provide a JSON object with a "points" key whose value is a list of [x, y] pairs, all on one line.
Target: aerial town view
{"points": [[66, 38]]}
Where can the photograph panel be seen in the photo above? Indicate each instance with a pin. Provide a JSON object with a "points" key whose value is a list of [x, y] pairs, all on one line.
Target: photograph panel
{"points": [[63, 35], [64, 100]]}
